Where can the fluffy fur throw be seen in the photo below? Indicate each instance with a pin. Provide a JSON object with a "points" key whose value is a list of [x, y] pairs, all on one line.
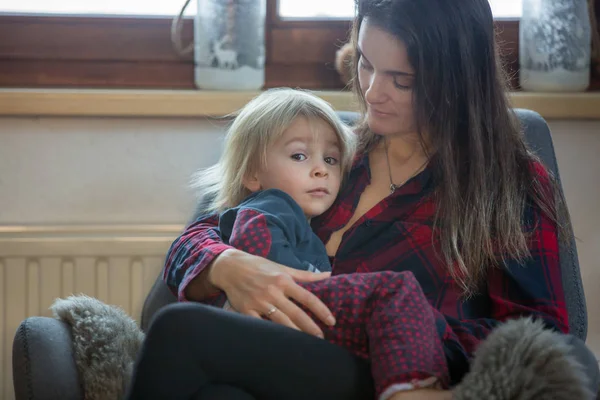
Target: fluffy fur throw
{"points": [[520, 360], [105, 344]]}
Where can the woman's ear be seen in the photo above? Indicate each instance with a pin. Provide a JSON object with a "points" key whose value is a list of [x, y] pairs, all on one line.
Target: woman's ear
{"points": [[252, 183]]}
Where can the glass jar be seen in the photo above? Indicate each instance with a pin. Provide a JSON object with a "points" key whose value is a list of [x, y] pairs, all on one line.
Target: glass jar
{"points": [[229, 44], [555, 45]]}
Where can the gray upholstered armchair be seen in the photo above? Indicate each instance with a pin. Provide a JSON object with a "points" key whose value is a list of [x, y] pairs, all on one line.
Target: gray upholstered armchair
{"points": [[43, 364]]}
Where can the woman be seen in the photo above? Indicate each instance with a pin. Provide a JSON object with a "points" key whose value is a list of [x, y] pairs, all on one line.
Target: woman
{"points": [[444, 187]]}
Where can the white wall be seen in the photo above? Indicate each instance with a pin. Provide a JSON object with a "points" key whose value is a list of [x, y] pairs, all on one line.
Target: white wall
{"points": [[113, 171], [70, 170], [577, 146]]}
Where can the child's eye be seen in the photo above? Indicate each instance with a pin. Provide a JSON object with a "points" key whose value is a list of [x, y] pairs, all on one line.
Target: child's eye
{"points": [[331, 160], [298, 157]]}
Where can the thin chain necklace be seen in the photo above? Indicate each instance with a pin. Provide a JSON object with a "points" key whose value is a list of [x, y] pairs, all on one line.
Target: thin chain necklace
{"points": [[393, 186]]}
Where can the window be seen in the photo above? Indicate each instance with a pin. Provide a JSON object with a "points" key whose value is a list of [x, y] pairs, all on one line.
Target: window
{"points": [[345, 8], [506, 8], [127, 44], [316, 9], [307, 33], [104, 7]]}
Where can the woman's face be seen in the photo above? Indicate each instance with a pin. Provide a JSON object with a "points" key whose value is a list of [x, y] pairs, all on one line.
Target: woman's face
{"points": [[386, 80]]}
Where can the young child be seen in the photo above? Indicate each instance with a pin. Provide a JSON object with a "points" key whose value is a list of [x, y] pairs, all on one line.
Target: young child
{"points": [[283, 163], [285, 157]]}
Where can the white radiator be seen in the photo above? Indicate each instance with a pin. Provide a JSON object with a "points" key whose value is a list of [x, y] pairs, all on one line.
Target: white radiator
{"points": [[116, 264]]}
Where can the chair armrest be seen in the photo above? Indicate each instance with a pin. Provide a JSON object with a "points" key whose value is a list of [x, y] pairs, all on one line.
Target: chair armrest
{"points": [[43, 363], [587, 358]]}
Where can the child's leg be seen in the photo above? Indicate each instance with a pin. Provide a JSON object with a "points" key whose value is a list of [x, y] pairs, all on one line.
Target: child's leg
{"points": [[385, 316]]}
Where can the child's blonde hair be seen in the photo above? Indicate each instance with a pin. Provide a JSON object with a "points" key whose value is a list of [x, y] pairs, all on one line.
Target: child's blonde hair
{"points": [[261, 122]]}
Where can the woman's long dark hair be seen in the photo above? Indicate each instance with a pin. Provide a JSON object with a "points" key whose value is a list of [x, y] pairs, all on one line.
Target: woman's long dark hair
{"points": [[483, 170]]}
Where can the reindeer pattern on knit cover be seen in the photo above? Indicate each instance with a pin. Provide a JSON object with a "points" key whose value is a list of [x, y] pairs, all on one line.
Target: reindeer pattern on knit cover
{"points": [[224, 56]]}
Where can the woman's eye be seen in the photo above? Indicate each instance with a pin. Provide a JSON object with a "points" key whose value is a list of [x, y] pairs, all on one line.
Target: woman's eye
{"points": [[402, 87], [331, 160], [298, 157]]}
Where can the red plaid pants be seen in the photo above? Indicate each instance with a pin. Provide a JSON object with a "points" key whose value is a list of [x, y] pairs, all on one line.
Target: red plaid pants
{"points": [[385, 318]]}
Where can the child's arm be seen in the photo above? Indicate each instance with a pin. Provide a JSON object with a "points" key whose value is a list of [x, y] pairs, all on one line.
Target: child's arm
{"points": [[272, 225], [266, 236]]}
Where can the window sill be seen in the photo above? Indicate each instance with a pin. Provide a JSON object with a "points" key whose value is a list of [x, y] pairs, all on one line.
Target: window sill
{"points": [[192, 103]]}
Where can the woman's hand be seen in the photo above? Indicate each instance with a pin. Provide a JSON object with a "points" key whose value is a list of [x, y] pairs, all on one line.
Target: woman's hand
{"points": [[256, 286]]}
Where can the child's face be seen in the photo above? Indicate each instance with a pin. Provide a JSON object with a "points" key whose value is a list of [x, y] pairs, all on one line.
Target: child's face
{"points": [[305, 163]]}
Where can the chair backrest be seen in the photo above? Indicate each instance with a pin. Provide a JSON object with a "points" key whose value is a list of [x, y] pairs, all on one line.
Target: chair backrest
{"points": [[537, 136]]}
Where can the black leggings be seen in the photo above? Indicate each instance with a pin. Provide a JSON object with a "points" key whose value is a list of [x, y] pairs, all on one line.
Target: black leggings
{"points": [[197, 352], [193, 351]]}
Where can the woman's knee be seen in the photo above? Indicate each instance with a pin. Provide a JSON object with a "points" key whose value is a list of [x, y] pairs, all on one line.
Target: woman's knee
{"points": [[178, 318]]}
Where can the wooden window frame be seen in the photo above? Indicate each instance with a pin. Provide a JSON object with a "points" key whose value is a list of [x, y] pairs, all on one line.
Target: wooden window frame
{"points": [[136, 52]]}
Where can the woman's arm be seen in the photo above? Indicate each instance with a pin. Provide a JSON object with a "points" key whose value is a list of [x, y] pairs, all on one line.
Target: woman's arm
{"points": [[191, 258], [200, 267]]}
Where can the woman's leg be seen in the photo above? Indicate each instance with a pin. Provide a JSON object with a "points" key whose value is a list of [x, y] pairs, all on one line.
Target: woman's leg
{"points": [[222, 392], [386, 317], [190, 347]]}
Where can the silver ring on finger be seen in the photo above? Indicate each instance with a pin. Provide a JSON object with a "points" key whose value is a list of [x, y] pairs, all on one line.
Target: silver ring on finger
{"points": [[271, 312]]}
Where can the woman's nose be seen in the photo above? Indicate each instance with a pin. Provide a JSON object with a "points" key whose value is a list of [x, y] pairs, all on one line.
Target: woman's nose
{"points": [[374, 91]]}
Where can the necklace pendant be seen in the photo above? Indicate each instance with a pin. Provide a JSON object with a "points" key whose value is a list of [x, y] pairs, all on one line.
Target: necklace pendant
{"points": [[393, 188]]}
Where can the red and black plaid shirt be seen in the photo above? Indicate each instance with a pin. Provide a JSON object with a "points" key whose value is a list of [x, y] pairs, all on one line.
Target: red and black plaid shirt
{"points": [[396, 235]]}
